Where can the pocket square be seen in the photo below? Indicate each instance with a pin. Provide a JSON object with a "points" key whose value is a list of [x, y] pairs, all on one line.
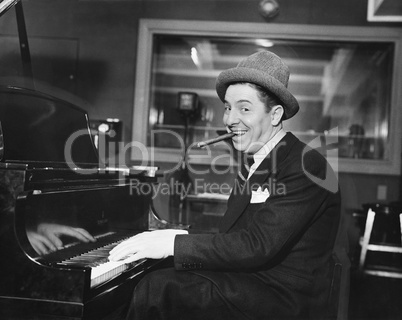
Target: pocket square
{"points": [[259, 195]]}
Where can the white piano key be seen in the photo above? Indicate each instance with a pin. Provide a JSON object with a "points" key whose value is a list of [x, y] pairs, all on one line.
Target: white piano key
{"points": [[110, 269]]}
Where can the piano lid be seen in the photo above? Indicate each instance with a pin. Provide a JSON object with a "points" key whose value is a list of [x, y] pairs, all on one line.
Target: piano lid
{"points": [[40, 128], [6, 5]]}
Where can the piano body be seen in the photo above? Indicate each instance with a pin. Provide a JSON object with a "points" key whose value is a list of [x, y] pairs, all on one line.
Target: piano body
{"points": [[41, 192]]}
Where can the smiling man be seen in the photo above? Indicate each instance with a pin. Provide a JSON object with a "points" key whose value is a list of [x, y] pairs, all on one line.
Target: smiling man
{"points": [[270, 258]]}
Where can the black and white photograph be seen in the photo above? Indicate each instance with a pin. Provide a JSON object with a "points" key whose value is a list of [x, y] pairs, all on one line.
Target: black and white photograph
{"points": [[200, 159]]}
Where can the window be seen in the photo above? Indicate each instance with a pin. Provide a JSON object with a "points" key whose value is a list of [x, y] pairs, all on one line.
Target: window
{"points": [[343, 78]]}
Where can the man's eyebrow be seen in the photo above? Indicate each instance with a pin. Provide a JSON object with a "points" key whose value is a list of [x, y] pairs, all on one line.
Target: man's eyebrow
{"points": [[243, 100], [238, 101]]}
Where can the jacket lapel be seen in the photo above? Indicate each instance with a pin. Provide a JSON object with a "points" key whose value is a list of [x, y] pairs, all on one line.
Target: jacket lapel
{"points": [[237, 203]]}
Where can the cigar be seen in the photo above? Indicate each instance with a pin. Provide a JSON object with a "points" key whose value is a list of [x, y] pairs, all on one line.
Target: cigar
{"points": [[215, 140]]}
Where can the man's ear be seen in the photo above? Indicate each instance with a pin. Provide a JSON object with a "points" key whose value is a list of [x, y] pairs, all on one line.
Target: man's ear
{"points": [[276, 114]]}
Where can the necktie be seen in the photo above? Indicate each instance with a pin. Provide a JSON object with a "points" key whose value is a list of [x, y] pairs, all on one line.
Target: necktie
{"points": [[248, 161]]}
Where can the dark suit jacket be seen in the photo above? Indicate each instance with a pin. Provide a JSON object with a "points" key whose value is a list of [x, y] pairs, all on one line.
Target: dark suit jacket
{"points": [[270, 259]]}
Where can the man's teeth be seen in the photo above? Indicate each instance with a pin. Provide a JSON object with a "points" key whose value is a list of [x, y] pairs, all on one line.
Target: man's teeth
{"points": [[239, 133]]}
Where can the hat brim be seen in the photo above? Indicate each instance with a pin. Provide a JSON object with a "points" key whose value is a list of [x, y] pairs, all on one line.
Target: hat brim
{"points": [[241, 74]]}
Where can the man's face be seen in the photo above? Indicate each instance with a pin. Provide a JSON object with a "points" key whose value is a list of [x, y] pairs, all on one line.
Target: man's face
{"points": [[246, 116]]}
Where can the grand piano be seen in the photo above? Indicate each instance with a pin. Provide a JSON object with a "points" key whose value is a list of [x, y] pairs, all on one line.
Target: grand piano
{"points": [[41, 195], [62, 210]]}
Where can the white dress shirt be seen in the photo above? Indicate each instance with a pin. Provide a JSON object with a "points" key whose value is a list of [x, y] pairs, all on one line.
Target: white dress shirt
{"points": [[262, 153]]}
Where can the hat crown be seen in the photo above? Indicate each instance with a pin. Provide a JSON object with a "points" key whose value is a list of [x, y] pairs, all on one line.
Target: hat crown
{"points": [[268, 63]]}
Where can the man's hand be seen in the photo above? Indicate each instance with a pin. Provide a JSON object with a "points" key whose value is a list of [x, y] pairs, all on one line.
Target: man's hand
{"points": [[156, 244], [54, 231], [41, 244], [47, 237]]}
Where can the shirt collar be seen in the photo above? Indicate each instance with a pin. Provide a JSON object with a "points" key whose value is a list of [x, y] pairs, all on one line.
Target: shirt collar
{"points": [[261, 154]]}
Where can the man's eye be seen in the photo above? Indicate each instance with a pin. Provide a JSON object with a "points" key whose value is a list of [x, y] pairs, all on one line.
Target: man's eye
{"points": [[227, 108], [244, 107]]}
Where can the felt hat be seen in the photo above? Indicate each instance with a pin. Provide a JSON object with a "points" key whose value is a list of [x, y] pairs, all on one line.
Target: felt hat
{"points": [[265, 69]]}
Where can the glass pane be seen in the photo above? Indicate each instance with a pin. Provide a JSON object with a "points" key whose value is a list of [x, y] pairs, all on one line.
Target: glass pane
{"points": [[341, 86]]}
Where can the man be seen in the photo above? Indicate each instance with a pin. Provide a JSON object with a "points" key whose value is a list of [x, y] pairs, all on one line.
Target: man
{"points": [[270, 258]]}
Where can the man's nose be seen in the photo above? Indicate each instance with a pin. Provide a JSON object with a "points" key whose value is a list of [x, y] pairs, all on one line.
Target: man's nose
{"points": [[232, 118]]}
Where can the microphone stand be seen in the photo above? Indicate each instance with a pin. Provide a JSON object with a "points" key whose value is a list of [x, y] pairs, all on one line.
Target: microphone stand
{"points": [[185, 179], [180, 179]]}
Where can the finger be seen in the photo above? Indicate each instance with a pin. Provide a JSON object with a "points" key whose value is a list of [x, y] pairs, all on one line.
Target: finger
{"points": [[121, 256], [132, 258], [86, 234], [48, 243], [43, 244], [72, 232], [39, 247], [125, 249], [118, 248], [122, 253], [126, 243], [56, 242]]}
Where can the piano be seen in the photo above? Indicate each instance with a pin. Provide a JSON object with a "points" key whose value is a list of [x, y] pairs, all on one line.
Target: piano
{"points": [[62, 209], [42, 195]]}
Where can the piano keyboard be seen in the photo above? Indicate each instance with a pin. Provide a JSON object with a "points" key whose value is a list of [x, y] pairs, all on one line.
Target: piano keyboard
{"points": [[102, 269], [109, 270]]}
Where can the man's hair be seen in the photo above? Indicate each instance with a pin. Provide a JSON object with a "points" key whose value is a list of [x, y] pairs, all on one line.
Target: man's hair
{"points": [[267, 98]]}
